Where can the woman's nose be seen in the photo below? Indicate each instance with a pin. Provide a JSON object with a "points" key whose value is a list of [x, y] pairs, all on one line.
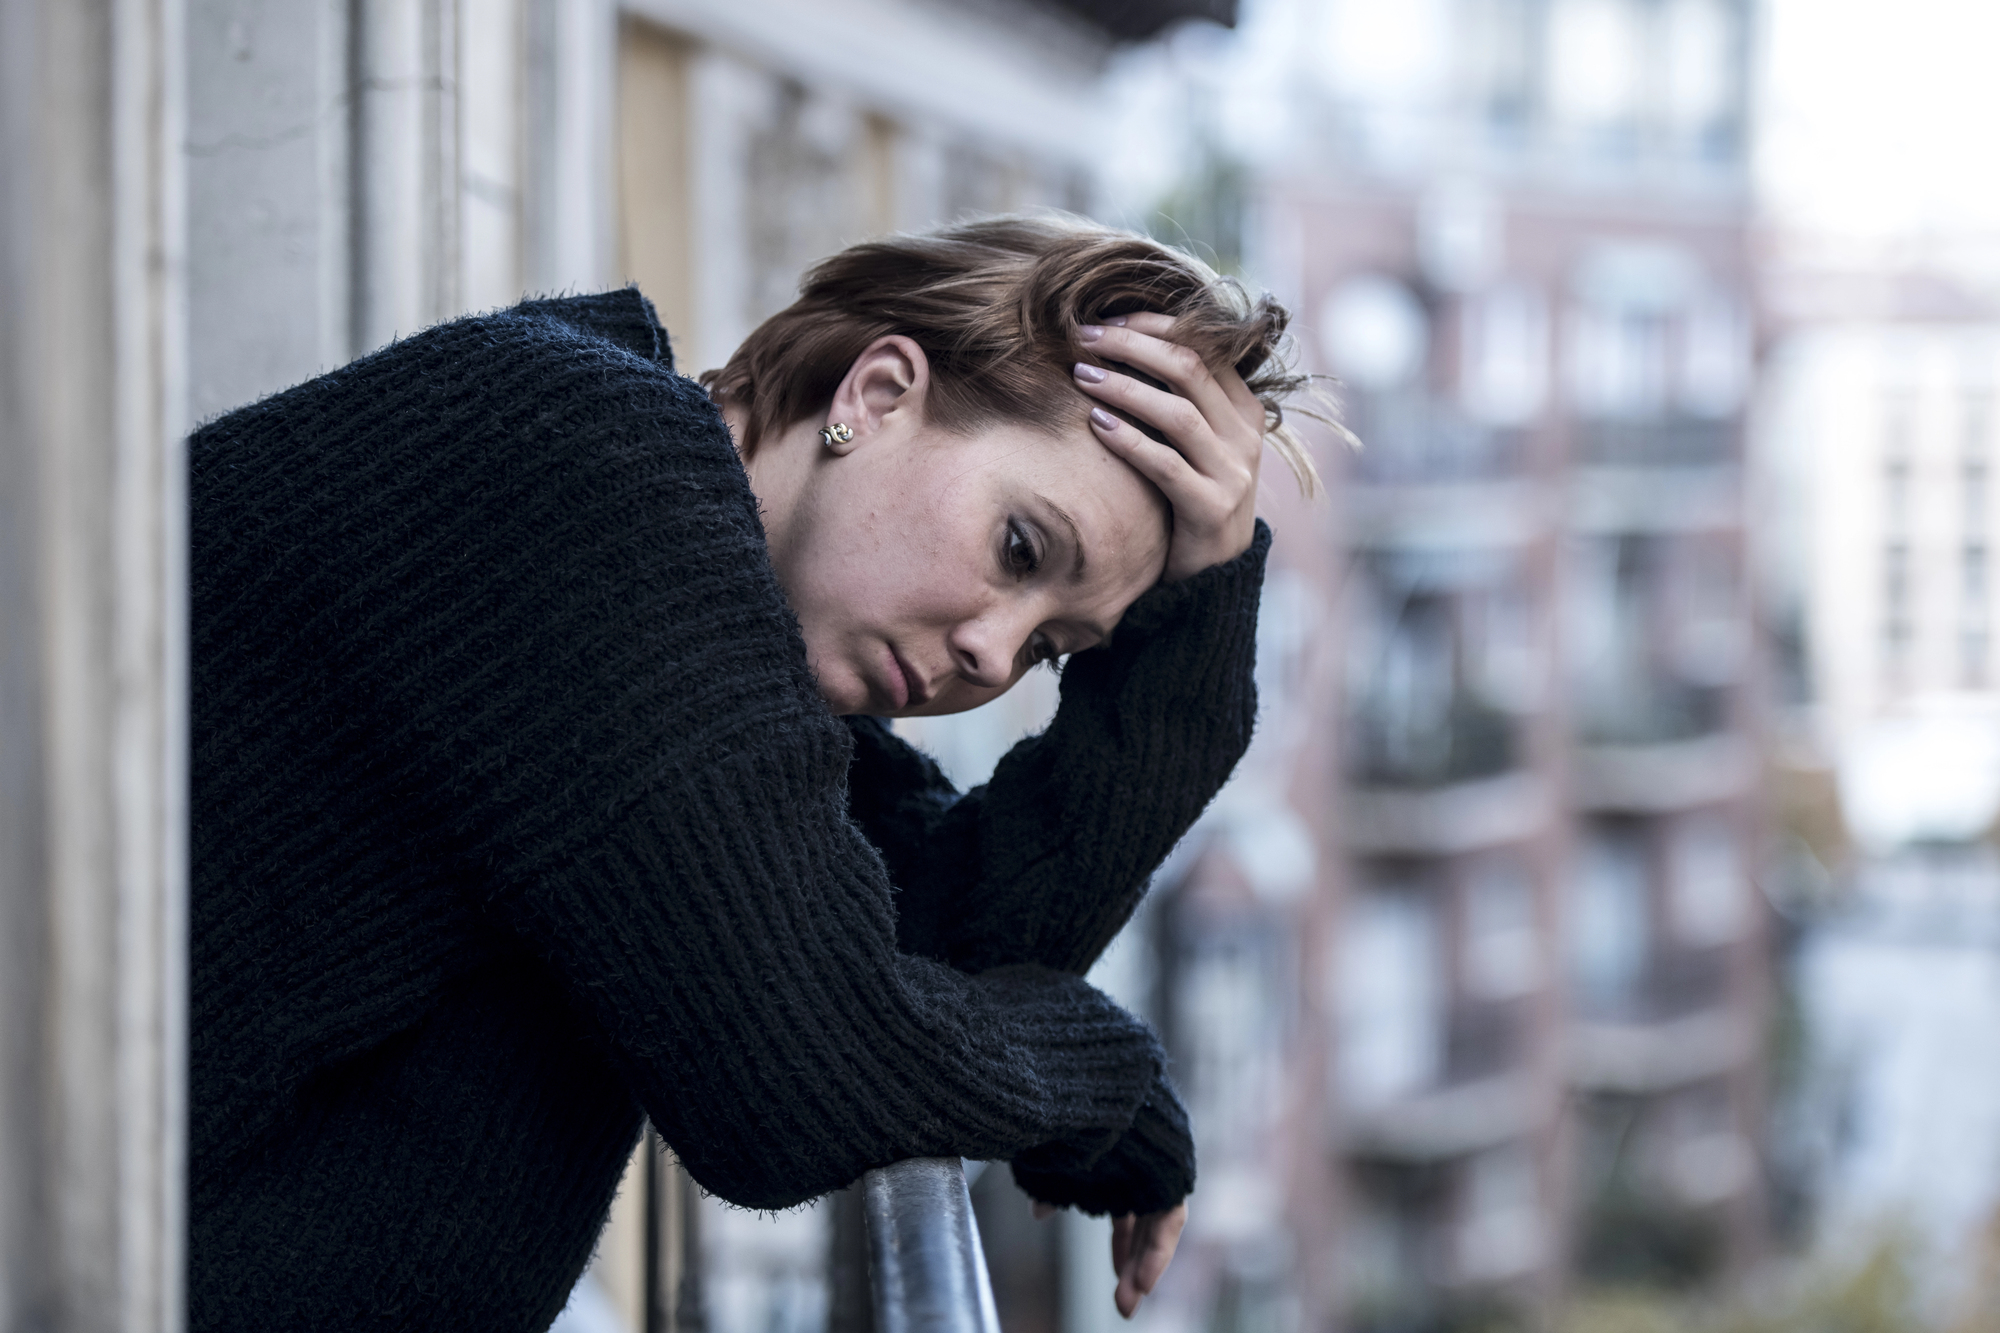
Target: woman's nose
{"points": [[984, 648]]}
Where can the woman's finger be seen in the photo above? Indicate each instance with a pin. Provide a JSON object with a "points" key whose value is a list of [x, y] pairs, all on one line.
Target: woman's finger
{"points": [[1153, 1240], [1146, 321], [1161, 464], [1188, 432], [1162, 1239], [1121, 1242], [1177, 366], [1247, 404]]}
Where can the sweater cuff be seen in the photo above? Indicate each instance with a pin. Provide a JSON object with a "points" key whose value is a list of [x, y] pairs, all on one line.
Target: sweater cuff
{"points": [[1197, 638], [1226, 584], [1148, 1169]]}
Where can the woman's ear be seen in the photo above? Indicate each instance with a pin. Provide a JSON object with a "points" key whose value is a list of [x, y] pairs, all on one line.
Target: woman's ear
{"points": [[885, 386]]}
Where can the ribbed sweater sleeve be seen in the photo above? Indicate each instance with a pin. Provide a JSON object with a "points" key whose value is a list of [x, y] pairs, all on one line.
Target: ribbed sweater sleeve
{"points": [[528, 565], [1046, 862]]}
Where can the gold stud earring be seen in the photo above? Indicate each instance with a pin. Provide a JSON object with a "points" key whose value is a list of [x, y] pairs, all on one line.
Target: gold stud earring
{"points": [[838, 433]]}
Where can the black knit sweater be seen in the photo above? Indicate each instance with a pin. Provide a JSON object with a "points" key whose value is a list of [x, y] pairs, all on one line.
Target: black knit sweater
{"points": [[517, 816]]}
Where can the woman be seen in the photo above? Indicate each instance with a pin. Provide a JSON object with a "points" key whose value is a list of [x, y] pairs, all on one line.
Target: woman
{"points": [[541, 784]]}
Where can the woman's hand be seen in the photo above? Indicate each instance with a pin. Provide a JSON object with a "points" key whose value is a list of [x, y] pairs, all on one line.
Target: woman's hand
{"points": [[1214, 427], [1141, 1249]]}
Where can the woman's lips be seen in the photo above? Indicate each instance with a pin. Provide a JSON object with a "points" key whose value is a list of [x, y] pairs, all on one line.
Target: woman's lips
{"points": [[906, 687]]}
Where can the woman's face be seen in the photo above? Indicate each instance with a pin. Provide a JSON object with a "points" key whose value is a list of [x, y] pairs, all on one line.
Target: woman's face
{"points": [[930, 571]]}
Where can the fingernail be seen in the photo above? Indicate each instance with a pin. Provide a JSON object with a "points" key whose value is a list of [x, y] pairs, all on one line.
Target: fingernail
{"points": [[1088, 333], [1102, 419], [1089, 374], [1116, 321]]}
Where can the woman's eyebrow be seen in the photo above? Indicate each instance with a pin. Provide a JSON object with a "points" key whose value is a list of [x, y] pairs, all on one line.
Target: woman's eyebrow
{"points": [[1075, 537]]}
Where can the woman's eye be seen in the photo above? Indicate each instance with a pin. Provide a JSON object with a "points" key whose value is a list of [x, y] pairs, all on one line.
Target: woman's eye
{"points": [[1022, 557]]}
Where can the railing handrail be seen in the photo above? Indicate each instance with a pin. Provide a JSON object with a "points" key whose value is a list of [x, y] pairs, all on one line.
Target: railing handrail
{"points": [[925, 1264]]}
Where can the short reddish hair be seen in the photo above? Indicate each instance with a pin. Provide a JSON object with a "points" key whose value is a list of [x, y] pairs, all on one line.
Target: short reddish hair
{"points": [[995, 305]]}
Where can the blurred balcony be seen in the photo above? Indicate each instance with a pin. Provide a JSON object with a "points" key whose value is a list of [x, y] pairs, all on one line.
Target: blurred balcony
{"points": [[1637, 709], [1448, 1122], [1605, 501], [1450, 818], [1422, 744], [1663, 776], [1672, 442], [1415, 438], [1495, 514], [1637, 1057]]}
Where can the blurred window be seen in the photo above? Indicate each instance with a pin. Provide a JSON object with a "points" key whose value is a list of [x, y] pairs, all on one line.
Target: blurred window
{"points": [[1710, 643], [1499, 40], [1896, 493], [1617, 357], [1287, 623], [1897, 628], [1977, 423], [1899, 423], [1461, 234], [1384, 1250], [1418, 714], [1500, 1233], [1391, 997], [1702, 1157], [1510, 667], [1707, 900], [1656, 634], [1976, 593], [1227, 1026], [1503, 949], [1385, 54], [1609, 932], [1700, 50], [1505, 357], [1374, 333], [1715, 357], [1597, 63], [802, 163], [1975, 579]]}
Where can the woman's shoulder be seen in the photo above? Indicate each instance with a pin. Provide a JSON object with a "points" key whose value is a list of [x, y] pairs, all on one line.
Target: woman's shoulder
{"points": [[531, 496], [622, 317], [557, 364], [539, 436], [542, 395]]}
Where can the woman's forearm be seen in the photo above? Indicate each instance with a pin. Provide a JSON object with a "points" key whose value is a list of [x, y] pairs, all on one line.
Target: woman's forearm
{"points": [[744, 974]]}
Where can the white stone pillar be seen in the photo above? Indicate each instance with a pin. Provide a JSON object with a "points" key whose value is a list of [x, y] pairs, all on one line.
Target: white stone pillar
{"points": [[570, 206], [405, 180], [92, 677]]}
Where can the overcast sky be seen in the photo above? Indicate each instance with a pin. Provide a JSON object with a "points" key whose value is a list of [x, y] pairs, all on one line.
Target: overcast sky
{"points": [[1882, 116]]}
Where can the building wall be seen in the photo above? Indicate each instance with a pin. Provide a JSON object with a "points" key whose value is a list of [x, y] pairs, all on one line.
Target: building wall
{"points": [[1877, 442], [1517, 233], [93, 714]]}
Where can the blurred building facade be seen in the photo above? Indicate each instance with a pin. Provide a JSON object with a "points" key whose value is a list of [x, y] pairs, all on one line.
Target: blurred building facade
{"points": [[1877, 441], [1874, 447], [1516, 1011]]}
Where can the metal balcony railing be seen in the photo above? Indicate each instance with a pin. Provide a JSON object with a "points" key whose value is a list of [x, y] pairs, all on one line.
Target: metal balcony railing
{"points": [[925, 1264], [906, 1232]]}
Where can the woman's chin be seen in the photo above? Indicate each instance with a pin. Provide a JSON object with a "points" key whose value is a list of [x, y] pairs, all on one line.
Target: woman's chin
{"points": [[850, 696]]}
